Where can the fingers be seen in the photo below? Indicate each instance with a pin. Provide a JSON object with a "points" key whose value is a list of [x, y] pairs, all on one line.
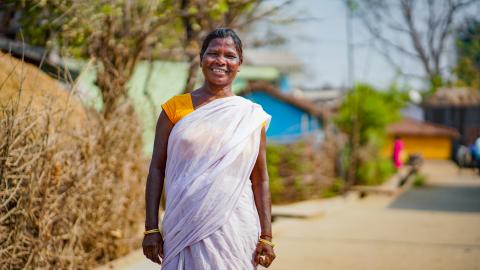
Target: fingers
{"points": [[257, 254], [264, 255], [153, 253], [264, 261], [160, 252]]}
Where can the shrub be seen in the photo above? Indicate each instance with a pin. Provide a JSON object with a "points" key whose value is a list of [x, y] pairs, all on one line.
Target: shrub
{"points": [[70, 199], [375, 172], [298, 172], [419, 180], [335, 189]]}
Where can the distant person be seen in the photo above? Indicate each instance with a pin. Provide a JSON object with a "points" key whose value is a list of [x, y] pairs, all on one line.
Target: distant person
{"points": [[475, 150], [398, 150], [210, 148]]}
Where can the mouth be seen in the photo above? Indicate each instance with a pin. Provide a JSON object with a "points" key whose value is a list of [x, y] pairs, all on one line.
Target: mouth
{"points": [[220, 71]]}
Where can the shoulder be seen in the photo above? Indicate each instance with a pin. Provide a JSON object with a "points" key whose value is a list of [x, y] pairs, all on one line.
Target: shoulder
{"points": [[254, 108], [246, 102], [253, 105], [178, 98], [178, 106]]}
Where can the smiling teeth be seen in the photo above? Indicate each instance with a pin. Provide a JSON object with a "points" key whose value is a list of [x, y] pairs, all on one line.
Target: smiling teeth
{"points": [[219, 70]]}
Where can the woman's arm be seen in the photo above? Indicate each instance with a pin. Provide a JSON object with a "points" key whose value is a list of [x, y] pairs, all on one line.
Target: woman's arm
{"points": [[153, 243], [261, 194]]}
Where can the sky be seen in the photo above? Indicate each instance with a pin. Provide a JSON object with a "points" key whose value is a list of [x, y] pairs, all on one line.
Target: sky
{"points": [[321, 44]]}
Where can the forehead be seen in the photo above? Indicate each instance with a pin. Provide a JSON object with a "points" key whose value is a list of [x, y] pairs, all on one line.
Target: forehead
{"points": [[224, 43]]}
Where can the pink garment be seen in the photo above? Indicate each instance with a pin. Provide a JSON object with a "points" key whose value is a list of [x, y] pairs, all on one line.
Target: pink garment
{"points": [[397, 150]]}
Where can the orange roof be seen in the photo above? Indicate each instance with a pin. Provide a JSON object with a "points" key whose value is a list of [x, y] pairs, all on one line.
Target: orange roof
{"points": [[409, 126]]}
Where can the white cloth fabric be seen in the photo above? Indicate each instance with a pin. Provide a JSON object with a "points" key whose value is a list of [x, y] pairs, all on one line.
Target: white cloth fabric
{"points": [[210, 220]]}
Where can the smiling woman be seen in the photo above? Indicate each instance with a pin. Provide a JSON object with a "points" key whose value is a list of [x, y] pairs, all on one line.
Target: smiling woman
{"points": [[210, 148]]}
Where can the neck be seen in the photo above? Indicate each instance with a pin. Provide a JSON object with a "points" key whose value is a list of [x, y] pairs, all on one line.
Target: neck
{"points": [[217, 90]]}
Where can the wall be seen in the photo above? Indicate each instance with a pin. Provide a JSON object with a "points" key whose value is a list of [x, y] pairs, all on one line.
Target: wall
{"points": [[289, 123], [430, 147], [464, 119]]}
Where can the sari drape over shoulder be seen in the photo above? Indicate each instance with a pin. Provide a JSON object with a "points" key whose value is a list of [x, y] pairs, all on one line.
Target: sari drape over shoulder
{"points": [[211, 221]]}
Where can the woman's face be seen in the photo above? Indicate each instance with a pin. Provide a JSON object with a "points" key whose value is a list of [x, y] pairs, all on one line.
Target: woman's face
{"points": [[220, 62]]}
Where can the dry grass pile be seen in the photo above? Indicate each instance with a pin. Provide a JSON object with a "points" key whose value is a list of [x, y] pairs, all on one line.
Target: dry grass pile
{"points": [[38, 91], [67, 205]]}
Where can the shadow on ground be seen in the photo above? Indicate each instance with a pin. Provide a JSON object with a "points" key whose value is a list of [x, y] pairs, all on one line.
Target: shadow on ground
{"points": [[440, 198]]}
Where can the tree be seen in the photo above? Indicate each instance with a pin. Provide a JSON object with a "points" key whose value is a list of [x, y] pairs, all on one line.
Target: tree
{"points": [[468, 53], [364, 116], [116, 33], [200, 17], [426, 25]]}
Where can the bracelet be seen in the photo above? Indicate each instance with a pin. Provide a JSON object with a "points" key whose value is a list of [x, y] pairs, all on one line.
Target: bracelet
{"points": [[266, 235], [266, 242], [151, 231]]}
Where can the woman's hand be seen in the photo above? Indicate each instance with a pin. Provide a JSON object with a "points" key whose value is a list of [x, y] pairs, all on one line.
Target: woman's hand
{"points": [[264, 254], [153, 247]]}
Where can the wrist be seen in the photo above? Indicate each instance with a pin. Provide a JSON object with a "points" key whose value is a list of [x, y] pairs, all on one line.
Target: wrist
{"points": [[152, 231], [266, 236], [151, 225]]}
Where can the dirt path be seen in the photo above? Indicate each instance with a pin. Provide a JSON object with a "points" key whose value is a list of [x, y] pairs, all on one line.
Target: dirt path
{"points": [[437, 227]]}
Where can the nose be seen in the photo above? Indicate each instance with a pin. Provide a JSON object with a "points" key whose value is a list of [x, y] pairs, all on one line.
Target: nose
{"points": [[220, 60]]}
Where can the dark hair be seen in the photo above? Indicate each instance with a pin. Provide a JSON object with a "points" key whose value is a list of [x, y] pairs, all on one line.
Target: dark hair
{"points": [[222, 33]]}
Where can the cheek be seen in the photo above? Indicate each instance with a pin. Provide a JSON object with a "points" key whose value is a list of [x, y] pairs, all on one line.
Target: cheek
{"points": [[234, 65]]}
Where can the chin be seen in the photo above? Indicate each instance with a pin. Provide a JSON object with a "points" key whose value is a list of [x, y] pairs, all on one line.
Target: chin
{"points": [[220, 82]]}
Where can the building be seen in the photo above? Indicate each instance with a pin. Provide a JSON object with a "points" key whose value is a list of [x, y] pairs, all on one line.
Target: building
{"points": [[458, 108], [292, 118], [431, 141]]}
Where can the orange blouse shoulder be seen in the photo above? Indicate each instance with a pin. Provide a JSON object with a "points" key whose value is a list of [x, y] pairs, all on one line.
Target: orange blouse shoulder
{"points": [[177, 107]]}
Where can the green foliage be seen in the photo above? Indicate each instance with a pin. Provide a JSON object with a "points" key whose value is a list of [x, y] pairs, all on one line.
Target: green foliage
{"points": [[468, 51], [420, 180], [335, 189], [364, 116], [274, 158], [375, 171], [371, 110]]}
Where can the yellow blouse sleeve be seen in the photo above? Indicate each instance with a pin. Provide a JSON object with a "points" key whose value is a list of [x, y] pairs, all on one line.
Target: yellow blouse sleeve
{"points": [[169, 109], [177, 107]]}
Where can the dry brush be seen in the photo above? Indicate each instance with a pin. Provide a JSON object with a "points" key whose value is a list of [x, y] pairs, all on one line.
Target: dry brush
{"points": [[70, 198]]}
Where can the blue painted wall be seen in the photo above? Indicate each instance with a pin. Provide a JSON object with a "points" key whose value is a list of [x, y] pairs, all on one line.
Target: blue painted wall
{"points": [[284, 84], [289, 123]]}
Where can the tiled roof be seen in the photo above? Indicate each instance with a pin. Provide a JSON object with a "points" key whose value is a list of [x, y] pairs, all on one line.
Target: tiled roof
{"points": [[454, 97], [409, 126], [301, 103]]}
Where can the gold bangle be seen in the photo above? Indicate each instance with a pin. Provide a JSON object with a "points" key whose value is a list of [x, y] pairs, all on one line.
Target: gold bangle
{"points": [[151, 231], [266, 242]]}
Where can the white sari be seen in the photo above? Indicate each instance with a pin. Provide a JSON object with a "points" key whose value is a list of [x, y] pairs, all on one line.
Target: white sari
{"points": [[211, 221]]}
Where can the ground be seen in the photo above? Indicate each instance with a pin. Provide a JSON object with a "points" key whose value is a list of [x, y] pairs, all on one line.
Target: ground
{"points": [[435, 227]]}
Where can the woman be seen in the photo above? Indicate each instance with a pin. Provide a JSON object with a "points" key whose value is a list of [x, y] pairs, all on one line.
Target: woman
{"points": [[210, 148], [398, 151]]}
